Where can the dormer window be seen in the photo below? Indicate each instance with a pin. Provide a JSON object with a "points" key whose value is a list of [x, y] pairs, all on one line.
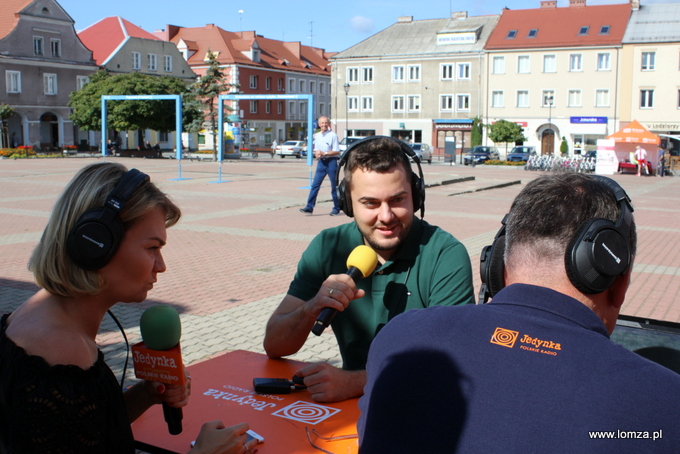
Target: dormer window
{"points": [[511, 34], [583, 31], [256, 55], [604, 30], [532, 33]]}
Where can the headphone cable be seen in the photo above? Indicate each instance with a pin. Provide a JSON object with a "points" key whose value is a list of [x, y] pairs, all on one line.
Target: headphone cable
{"points": [[127, 348]]}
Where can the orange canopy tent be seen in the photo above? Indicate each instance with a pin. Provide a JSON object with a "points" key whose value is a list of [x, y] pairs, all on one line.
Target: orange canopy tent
{"points": [[634, 132]]}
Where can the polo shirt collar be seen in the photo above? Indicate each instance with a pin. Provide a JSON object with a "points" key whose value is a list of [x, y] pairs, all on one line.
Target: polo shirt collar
{"points": [[548, 303]]}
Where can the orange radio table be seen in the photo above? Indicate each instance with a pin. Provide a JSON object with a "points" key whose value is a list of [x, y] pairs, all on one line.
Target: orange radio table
{"points": [[222, 388]]}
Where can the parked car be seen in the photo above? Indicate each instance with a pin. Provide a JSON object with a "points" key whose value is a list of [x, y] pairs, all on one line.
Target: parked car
{"points": [[521, 153], [347, 141], [423, 151], [480, 154], [291, 148]]}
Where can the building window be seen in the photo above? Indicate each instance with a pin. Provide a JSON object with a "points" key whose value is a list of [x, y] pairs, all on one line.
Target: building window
{"points": [[153, 62], [523, 64], [81, 81], [604, 30], [268, 106], [353, 104], [50, 83], [648, 60], [446, 103], [532, 33], [291, 86], [38, 45], [280, 85], [303, 109], [303, 86], [499, 65], [549, 63], [13, 81], [352, 75], [603, 62], [322, 87], [253, 81], [446, 71], [646, 99], [463, 103], [397, 73], [463, 71], [167, 63], [397, 103], [574, 98], [312, 86], [322, 109], [414, 103], [413, 73], [253, 106], [575, 62], [497, 99], [367, 75], [602, 98], [548, 98], [367, 103], [522, 98], [583, 31], [268, 83], [511, 34], [291, 108], [136, 60], [279, 107], [55, 44]]}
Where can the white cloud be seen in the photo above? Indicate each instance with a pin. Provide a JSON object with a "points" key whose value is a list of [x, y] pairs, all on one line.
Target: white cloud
{"points": [[362, 24]]}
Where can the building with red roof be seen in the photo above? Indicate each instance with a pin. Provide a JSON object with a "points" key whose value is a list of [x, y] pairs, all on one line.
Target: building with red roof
{"points": [[555, 72], [253, 64], [43, 61]]}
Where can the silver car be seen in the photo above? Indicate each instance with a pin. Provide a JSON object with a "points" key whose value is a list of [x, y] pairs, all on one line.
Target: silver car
{"points": [[423, 151], [291, 148]]}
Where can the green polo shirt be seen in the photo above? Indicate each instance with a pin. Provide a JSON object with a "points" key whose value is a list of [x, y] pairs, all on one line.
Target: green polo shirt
{"points": [[431, 268]]}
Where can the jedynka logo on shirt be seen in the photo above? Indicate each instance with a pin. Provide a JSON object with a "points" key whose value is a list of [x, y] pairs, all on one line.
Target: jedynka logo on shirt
{"points": [[508, 338]]}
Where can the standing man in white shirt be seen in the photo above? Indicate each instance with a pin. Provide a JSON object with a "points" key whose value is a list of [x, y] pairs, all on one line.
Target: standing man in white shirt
{"points": [[326, 151]]}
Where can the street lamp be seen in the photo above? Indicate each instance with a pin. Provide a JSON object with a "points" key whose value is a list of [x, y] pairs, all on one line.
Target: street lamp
{"points": [[346, 87], [549, 100]]}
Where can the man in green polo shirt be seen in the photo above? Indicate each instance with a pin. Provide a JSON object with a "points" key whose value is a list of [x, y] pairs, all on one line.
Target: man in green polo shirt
{"points": [[419, 265]]}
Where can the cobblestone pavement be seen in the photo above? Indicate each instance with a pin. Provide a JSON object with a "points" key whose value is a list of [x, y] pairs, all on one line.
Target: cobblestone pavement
{"points": [[233, 254]]}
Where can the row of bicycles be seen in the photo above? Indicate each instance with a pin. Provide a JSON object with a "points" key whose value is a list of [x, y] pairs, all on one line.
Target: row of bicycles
{"points": [[552, 163]]}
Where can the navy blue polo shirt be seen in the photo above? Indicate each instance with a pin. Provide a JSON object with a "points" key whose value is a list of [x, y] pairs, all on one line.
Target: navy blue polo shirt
{"points": [[532, 371]]}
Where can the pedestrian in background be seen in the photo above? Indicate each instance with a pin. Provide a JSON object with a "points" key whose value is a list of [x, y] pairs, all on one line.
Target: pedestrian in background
{"points": [[327, 151]]}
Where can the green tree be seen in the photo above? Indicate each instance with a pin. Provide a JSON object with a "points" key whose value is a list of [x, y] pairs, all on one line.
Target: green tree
{"points": [[504, 131], [6, 111], [207, 89], [564, 147], [476, 134], [158, 115]]}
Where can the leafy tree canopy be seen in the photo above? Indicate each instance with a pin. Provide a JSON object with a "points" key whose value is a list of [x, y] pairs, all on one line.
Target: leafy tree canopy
{"points": [[504, 131], [158, 115], [6, 111]]}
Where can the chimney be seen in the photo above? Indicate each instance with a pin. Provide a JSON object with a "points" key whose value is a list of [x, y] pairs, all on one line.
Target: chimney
{"points": [[460, 15], [549, 4], [634, 5], [405, 19], [577, 3]]}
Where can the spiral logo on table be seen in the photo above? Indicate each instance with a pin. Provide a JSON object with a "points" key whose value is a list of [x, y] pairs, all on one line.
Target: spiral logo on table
{"points": [[306, 412]]}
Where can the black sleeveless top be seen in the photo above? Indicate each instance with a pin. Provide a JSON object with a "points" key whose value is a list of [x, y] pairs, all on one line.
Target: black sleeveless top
{"points": [[59, 409]]}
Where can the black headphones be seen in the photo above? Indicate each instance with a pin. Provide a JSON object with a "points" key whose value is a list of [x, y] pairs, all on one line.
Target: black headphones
{"points": [[597, 254], [417, 181], [97, 233]]}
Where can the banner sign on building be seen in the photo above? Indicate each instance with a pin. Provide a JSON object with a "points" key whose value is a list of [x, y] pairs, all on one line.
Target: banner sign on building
{"points": [[456, 38], [588, 120]]}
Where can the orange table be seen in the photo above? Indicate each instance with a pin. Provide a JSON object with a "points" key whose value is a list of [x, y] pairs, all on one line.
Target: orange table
{"points": [[222, 388]]}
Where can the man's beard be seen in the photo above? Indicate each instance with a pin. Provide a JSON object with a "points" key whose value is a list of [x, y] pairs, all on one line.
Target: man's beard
{"points": [[406, 228]]}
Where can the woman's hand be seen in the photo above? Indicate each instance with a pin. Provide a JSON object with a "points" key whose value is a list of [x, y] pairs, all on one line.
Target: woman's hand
{"points": [[173, 395], [214, 438]]}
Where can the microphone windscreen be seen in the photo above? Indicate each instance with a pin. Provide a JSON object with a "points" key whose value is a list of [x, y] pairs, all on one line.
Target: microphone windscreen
{"points": [[160, 327], [363, 258]]}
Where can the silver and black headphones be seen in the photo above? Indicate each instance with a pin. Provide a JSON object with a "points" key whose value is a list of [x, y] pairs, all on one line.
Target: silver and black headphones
{"points": [[417, 181], [597, 254]]}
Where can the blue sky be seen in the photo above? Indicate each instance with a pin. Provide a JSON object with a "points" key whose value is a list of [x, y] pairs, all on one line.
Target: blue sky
{"points": [[333, 25]]}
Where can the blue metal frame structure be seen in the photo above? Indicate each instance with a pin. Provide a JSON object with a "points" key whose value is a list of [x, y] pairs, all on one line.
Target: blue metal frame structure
{"points": [[310, 123], [178, 121]]}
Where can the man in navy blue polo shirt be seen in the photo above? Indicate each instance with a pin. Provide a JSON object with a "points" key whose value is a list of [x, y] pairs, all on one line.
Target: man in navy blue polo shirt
{"points": [[534, 370]]}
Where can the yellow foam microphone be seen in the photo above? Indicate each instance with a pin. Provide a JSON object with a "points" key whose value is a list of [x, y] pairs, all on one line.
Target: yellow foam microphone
{"points": [[360, 263]]}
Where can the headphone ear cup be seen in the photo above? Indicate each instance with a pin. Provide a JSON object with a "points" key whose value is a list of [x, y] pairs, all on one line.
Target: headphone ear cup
{"points": [[596, 256], [418, 191], [496, 267], [345, 199], [94, 240]]}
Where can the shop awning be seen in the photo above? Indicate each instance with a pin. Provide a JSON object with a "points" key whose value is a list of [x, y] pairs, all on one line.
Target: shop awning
{"points": [[634, 132]]}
